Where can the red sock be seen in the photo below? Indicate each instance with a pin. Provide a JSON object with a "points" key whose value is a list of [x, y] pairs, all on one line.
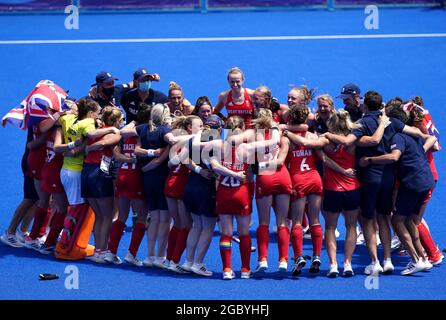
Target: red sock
{"points": [[426, 240], [304, 219], [226, 251], [138, 233], [245, 251], [316, 239], [39, 220], [56, 227], [283, 241], [180, 245], [44, 225], [173, 236], [297, 240], [116, 232], [262, 241]]}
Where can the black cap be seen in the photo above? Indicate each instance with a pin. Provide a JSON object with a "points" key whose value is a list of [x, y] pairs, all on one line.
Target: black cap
{"points": [[141, 74], [349, 90], [103, 77]]}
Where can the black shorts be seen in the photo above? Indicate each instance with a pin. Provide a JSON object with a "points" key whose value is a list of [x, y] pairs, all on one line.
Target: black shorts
{"points": [[338, 201], [29, 190], [200, 200], [377, 197], [95, 183], [409, 201], [154, 191]]}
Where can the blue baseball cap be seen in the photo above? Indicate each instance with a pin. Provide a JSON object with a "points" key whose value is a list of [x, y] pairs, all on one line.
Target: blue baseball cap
{"points": [[104, 77], [349, 90], [141, 74]]}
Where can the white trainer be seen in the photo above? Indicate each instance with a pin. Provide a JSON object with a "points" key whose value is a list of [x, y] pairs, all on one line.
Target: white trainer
{"points": [[245, 274], [395, 242], [373, 268], [262, 266], [388, 267], [11, 240], [200, 269], [360, 240], [427, 264], [148, 261], [337, 234], [98, 257], [21, 236], [283, 266], [228, 275], [413, 267], [175, 267], [333, 272], [131, 259], [112, 258], [161, 262], [35, 244], [348, 271], [187, 266]]}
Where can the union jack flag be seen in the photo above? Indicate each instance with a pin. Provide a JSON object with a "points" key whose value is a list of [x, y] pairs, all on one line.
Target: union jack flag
{"points": [[34, 108], [428, 122]]}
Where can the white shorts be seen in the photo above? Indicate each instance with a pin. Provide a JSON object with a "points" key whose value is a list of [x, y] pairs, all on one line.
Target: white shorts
{"points": [[71, 181]]}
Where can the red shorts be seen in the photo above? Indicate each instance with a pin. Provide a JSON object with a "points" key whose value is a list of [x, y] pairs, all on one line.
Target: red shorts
{"points": [[36, 161], [129, 185], [175, 185], [272, 184], [50, 182], [235, 201], [307, 183]]}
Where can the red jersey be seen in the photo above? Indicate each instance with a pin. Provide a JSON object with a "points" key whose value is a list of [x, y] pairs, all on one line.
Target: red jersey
{"points": [[37, 156], [301, 159], [430, 160], [95, 157], [51, 169], [233, 196], [335, 181], [129, 181], [244, 110], [53, 161], [176, 181], [278, 182]]}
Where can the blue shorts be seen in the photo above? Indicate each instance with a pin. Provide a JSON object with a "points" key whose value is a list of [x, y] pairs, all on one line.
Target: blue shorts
{"points": [[377, 197], [154, 191], [338, 201], [95, 183], [200, 200], [29, 190], [409, 201]]}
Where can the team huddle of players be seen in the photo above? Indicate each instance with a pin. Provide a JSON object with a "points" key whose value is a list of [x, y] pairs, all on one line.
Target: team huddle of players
{"points": [[181, 167]]}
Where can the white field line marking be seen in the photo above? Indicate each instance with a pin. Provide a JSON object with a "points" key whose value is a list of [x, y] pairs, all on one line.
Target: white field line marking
{"points": [[218, 39]]}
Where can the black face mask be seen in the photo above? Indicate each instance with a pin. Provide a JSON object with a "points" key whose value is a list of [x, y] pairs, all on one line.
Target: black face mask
{"points": [[108, 92]]}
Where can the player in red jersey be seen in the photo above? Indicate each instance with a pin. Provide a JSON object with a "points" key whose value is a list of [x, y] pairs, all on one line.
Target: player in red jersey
{"points": [[307, 185], [177, 103], [263, 98], [434, 254], [273, 184], [234, 200], [174, 191], [97, 183], [237, 100], [129, 191], [51, 185], [36, 161]]}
